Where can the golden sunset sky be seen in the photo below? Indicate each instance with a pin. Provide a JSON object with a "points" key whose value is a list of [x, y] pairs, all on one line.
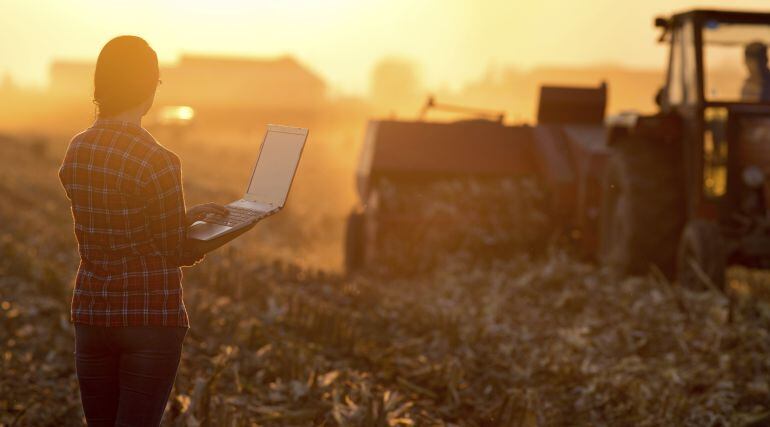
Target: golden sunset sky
{"points": [[452, 41]]}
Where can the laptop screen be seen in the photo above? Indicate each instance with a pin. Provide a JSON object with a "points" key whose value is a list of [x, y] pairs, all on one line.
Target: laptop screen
{"points": [[276, 165]]}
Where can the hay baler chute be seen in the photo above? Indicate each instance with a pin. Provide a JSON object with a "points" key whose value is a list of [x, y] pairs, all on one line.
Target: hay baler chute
{"points": [[560, 152]]}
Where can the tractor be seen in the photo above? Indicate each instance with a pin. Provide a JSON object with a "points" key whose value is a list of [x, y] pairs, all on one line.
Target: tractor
{"points": [[684, 190]]}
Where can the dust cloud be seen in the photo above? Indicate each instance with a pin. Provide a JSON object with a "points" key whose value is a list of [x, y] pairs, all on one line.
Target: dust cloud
{"points": [[213, 110]]}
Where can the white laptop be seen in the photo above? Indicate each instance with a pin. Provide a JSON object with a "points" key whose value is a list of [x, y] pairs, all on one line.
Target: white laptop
{"points": [[268, 187]]}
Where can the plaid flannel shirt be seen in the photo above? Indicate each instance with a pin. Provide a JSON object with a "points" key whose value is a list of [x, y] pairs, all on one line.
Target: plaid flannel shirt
{"points": [[130, 224]]}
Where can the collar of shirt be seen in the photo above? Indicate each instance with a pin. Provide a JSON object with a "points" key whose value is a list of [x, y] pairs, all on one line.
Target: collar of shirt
{"points": [[120, 125]]}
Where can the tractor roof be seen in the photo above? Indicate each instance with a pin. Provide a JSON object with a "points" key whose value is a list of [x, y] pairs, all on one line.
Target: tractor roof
{"points": [[726, 15]]}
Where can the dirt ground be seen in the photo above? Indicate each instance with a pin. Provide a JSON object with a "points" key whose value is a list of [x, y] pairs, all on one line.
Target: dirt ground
{"points": [[279, 337]]}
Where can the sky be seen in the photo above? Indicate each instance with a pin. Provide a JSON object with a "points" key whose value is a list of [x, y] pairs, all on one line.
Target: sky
{"points": [[452, 41]]}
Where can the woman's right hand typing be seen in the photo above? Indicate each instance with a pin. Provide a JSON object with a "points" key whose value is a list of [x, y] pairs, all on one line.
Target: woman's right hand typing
{"points": [[200, 212]]}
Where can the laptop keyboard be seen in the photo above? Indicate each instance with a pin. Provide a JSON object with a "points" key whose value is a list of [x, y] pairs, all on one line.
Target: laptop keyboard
{"points": [[235, 216]]}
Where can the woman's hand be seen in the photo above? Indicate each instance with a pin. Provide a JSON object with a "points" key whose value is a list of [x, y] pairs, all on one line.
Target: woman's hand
{"points": [[199, 212]]}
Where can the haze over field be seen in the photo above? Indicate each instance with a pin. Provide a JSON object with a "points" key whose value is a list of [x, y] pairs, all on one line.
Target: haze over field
{"points": [[452, 41], [490, 54]]}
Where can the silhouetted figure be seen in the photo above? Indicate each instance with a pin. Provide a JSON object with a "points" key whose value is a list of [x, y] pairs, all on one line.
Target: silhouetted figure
{"points": [[756, 87], [131, 226]]}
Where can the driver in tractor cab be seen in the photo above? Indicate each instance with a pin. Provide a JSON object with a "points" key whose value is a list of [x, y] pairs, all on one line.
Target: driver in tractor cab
{"points": [[756, 88]]}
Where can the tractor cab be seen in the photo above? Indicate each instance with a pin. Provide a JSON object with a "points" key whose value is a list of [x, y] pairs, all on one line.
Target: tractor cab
{"points": [[718, 81]]}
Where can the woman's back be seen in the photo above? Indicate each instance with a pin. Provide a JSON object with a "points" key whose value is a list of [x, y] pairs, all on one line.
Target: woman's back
{"points": [[129, 215]]}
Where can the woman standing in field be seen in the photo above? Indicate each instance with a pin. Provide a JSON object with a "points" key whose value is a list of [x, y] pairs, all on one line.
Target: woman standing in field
{"points": [[130, 223]]}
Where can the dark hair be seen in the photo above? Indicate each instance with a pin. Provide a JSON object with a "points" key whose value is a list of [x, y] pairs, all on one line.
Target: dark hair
{"points": [[126, 75]]}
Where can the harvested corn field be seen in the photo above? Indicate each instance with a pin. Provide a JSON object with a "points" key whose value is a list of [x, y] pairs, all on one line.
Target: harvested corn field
{"points": [[516, 340], [523, 341]]}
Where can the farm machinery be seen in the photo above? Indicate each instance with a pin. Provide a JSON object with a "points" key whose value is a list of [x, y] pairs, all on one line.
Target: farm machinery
{"points": [[684, 189]]}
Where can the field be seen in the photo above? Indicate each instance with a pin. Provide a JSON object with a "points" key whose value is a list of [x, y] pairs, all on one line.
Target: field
{"points": [[280, 337]]}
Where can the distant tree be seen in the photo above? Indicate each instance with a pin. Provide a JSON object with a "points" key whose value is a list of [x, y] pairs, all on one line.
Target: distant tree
{"points": [[395, 86]]}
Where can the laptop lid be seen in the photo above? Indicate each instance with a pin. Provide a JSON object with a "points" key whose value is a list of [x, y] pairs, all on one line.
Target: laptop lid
{"points": [[276, 165]]}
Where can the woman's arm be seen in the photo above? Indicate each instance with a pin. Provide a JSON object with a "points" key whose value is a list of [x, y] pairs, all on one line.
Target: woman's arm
{"points": [[165, 207], [169, 219], [204, 247], [200, 212]]}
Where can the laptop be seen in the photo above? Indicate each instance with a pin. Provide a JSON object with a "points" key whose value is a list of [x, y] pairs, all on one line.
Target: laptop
{"points": [[268, 187]]}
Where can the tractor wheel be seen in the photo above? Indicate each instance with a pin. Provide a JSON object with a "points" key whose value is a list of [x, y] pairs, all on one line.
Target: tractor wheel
{"points": [[643, 207], [701, 256], [354, 242]]}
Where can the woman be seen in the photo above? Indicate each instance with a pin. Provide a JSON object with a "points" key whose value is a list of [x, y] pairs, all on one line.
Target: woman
{"points": [[130, 222]]}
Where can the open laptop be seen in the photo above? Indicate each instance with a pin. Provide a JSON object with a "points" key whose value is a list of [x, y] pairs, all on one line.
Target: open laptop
{"points": [[268, 187]]}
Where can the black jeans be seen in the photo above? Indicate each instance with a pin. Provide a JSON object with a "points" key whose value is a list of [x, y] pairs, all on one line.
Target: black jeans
{"points": [[126, 373]]}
